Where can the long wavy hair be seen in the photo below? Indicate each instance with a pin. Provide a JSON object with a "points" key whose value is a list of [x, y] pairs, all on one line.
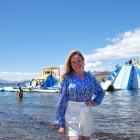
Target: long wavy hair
{"points": [[67, 66]]}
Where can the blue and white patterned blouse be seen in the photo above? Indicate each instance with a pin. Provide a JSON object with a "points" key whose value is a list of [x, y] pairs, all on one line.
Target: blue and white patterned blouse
{"points": [[75, 89]]}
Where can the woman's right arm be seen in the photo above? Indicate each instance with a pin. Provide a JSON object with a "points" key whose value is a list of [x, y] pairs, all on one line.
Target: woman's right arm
{"points": [[62, 104]]}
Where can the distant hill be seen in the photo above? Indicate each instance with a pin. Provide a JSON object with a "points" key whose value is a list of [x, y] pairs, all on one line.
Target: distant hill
{"points": [[12, 83], [97, 74]]}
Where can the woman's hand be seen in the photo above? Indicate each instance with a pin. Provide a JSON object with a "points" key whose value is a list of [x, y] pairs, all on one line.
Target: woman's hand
{"points": [[90, 103], [61, 131]]}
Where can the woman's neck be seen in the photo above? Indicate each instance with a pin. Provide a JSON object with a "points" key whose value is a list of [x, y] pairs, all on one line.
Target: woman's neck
{"points": [[80, 74]]}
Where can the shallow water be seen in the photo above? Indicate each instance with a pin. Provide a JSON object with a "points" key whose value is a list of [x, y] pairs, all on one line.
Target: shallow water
{"points": [[32, 118]]}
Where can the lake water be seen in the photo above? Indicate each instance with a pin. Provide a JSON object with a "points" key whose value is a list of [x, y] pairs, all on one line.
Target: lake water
{"points": [[118, 118]]}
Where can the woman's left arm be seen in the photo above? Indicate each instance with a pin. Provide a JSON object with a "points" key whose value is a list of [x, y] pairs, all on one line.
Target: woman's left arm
{"points": [[99, 93]]}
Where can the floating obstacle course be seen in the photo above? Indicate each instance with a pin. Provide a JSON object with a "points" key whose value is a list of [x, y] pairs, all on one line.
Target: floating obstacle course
{"points": [[124, 77], [47, 81]]}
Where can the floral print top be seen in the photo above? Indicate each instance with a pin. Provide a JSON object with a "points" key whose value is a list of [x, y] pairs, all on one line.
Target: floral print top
{"points": [[73, 88]]}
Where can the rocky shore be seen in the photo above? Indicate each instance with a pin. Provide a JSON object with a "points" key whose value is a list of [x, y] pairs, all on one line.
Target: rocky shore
{"points": [[101, 75]]}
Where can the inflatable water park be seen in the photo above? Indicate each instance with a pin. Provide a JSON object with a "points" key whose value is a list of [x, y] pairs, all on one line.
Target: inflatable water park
{"points": [[49, 78], [124, 77], [47, 81]]}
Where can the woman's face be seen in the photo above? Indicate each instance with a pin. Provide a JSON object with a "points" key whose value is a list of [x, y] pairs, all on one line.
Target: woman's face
{"points": [[77, 63]]}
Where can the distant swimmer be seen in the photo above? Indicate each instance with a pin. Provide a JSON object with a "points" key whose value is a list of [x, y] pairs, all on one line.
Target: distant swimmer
{"points": [[20, 93]]}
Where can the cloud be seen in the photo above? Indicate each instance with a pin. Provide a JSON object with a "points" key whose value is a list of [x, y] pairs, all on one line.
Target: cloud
{"points": [[123, 46], [97, 66], [17, 76]]}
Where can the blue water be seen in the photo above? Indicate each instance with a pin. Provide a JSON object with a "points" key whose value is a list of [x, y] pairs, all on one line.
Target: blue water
{"points": [[118, 118]]}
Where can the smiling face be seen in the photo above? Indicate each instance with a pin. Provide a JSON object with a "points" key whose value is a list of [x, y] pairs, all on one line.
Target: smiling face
{"points": [[77, 63]]}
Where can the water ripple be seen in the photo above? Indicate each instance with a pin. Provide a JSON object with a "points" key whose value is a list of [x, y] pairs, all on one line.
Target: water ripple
{"points": [[32, 118]]}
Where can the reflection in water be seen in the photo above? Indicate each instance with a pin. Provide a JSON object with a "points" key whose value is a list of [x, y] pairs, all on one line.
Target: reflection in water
{"points": [[32, 117], [19, 100]]}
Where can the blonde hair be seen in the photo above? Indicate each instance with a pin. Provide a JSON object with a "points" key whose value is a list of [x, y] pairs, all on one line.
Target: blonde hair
{"points": [[67, 66]]}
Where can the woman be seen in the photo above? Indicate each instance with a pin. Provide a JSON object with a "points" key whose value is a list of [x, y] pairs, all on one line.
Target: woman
{"points": [[80, 91]]}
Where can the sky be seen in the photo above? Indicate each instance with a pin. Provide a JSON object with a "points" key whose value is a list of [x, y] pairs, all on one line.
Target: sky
{"points": [[39, 33]]}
